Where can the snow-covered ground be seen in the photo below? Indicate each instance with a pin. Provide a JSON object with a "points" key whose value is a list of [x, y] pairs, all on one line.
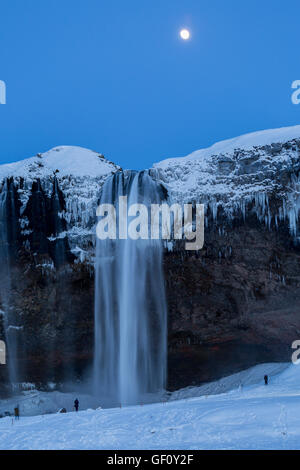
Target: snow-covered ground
{"points": [[34, 402], [250, 376], [248, 417]]}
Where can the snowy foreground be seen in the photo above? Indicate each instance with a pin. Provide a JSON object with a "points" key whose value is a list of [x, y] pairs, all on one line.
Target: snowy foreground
{"points": [[248, 417]]}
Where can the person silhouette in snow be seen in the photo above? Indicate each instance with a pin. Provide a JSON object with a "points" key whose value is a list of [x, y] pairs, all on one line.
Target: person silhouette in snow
{"points": [[266, 379], [76, 404], [17, 412]]}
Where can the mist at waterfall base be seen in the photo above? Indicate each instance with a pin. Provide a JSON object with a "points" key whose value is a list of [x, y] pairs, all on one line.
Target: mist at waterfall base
{"points": [[130, 306]]}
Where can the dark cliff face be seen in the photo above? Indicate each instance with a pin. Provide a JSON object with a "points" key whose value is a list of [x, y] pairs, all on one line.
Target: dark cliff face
{"points": [[9, 243], [9, 221], [34, 265], [55, 309], [45, 224], [231, 305]]}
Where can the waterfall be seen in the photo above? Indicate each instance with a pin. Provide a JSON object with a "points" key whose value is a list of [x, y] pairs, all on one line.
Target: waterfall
{"points": [[130, 307]]}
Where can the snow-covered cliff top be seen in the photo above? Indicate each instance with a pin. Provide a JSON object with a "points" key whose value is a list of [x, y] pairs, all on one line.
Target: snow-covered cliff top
{"points": [[243, 142], [236, 173], [81, 174], [234, 168], [63, 161], [231, 174]]}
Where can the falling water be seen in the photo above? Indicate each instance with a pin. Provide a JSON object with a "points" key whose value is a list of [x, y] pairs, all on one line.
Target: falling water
{"points": [[130, 307]]}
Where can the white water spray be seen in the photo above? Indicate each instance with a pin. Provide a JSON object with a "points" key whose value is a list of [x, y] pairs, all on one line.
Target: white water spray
{"points": [[130, 307]]}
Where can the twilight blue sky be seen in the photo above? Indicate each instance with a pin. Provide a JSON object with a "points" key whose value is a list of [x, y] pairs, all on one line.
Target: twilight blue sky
{"points": [[113, 75]]}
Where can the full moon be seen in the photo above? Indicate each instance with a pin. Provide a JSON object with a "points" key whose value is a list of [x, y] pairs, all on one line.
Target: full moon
{"points": [[185, 34]]}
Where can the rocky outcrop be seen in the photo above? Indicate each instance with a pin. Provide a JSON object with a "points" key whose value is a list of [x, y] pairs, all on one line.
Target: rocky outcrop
{"points": [[236, 302], [232, 305]]}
